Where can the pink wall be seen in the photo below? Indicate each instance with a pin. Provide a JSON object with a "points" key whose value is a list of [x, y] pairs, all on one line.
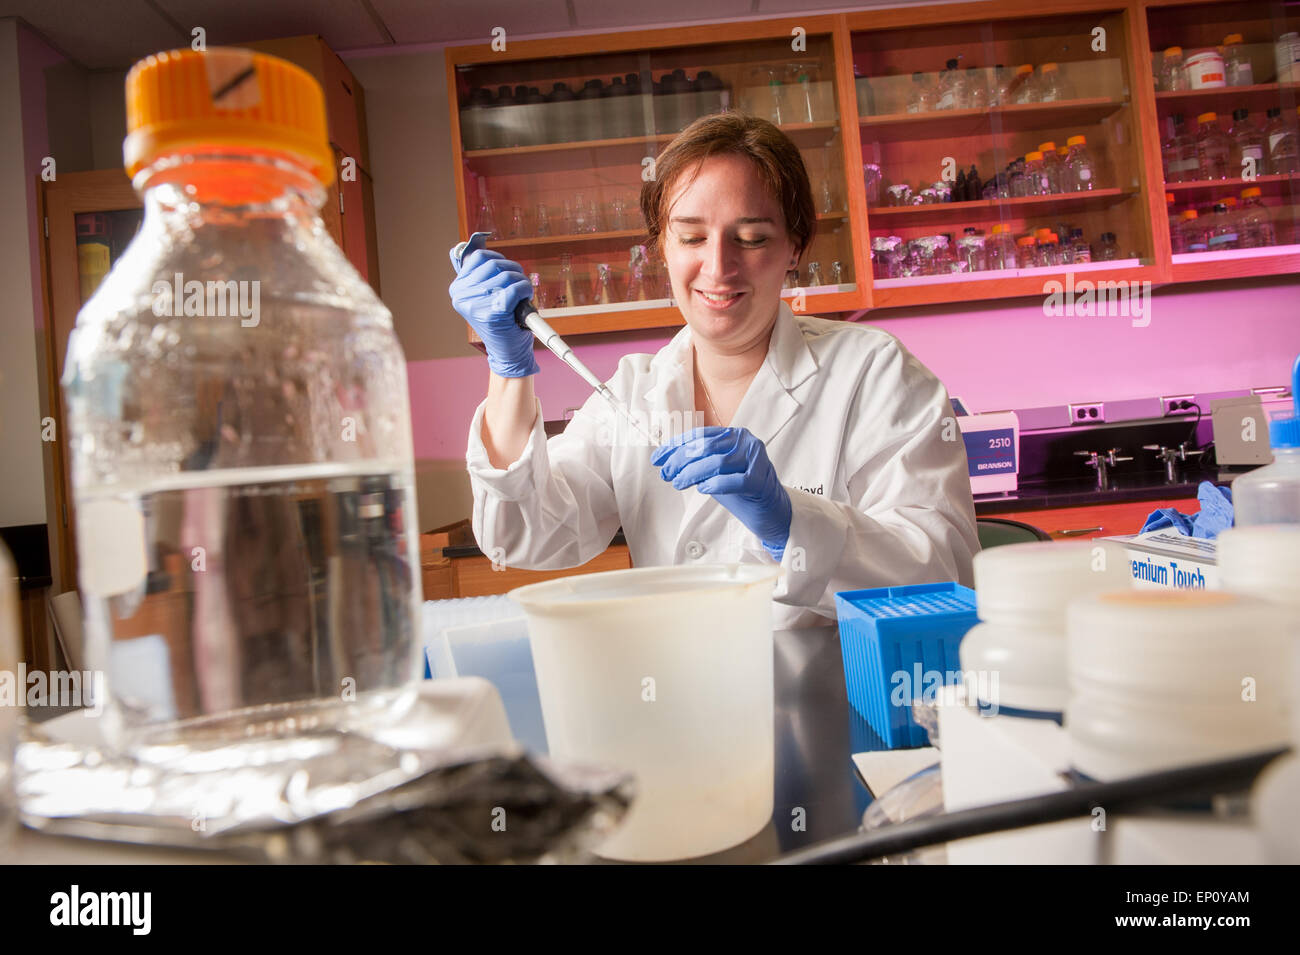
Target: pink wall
{"points": [[1217, 337]]}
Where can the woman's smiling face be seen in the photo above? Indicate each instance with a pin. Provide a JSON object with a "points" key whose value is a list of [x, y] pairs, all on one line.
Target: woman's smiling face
{"points": [[727, 252]]}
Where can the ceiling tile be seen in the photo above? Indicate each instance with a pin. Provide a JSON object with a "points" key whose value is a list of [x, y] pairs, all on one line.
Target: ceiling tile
{"points": [[462, 21], [603, 14], [344, 24], [98, 35]]}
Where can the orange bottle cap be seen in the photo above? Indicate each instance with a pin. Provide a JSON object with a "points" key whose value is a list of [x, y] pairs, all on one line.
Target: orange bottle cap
{"points": [[1047, 147], [1250, 192], [227, 97], [1043, 232], [1169, 197], [1030, 157], [1049, 67], [1174, 51], [1189, 214], [1207, 118], [1025, 240], [1077, 141], [1000, 228], [1026, 68], [1232, 38]]}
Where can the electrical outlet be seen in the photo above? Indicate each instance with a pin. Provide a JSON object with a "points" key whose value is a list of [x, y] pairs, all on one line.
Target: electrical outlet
{"points": [[1169, 404], [1092, 412]]}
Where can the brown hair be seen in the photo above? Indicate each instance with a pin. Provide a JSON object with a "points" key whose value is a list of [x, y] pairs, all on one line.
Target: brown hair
{"points": [[777, 159]]}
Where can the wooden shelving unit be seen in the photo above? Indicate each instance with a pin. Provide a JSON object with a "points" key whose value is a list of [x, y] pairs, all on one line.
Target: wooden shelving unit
{"points": [[865, 61]]}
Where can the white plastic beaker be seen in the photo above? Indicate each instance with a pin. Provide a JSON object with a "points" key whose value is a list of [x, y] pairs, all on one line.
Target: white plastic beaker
{"points": [[665, 672]]}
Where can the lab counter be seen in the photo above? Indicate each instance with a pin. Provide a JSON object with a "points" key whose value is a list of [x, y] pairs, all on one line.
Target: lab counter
{"points": [[1083, 491], [818, 795]]}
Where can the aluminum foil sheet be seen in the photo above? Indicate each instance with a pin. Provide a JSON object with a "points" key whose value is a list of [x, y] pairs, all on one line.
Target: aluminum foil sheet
{"points": [[323, 797]]}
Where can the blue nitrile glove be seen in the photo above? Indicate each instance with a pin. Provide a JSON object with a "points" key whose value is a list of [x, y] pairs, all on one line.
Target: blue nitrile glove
{"points": [[731, 465], [1216, 511], [487, 288], [1214, 516]]}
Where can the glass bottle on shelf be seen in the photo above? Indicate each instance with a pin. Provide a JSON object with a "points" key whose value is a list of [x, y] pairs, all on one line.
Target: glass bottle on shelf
{"points": [[595, 222], [971, 250], [542, 219], [1051, 85], [539, 293], [1000, 91], [1017, 183], [1222, 229], [562, 115], [1176, 240], [1080, 253], [803, 80], [1180, 153], [1280, 136], [1236, 64], [837, 273], [1193, 229], [1053, 167], [1026, 256], [1000, 250], [777, 93], [590, 114], [1106, 250], [1080, 173], [1035, 175], [603, 294], [578, 216], [950, 85], [921, 98], [566, 295], [1212, 152], [1024, 88], [1247, 144], [977, 89], [1256, 223], [486, 219], [636, 286], [815, 275], [1173, 78], [826, 195], [517, 230]]}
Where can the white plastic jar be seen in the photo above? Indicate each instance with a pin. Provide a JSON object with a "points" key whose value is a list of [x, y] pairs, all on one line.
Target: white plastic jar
{"points": [[1205, 70], [1016, 654], [1167, 678]]}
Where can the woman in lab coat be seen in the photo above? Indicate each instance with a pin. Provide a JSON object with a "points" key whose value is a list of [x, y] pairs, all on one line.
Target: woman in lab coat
{"points": [[822, 445]]}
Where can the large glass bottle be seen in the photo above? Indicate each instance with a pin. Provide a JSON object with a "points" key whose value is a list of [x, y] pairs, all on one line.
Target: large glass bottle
{"points": [[1212, 152], [239, 426]]}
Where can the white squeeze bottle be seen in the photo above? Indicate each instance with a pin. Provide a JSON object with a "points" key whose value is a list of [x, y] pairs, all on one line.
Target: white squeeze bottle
{"points": [[1271, 494], [240, 430]]}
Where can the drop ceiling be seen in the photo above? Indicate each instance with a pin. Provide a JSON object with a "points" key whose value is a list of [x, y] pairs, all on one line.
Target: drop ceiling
{"points": [[112, 34]]}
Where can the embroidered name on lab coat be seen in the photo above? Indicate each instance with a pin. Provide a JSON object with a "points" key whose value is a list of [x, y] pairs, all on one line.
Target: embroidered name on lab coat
{"points": [[811, 490]]}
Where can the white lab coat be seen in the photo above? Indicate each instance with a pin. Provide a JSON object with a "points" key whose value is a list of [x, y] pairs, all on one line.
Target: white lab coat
{"points": [[853, 423]]}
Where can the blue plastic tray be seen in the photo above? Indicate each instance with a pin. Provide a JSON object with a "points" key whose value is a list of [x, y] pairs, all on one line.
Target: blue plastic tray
{"points": [[894, 640]]}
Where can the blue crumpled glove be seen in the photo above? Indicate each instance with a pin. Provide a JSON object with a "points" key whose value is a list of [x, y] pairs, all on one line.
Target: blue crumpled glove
{"points": [[731, 465], [1215, 514], [487, 288]]}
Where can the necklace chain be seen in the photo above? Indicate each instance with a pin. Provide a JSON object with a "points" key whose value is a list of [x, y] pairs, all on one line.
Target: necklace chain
{"points": [[707, 397]]}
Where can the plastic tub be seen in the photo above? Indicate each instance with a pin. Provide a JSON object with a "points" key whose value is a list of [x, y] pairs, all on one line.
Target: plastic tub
{"points": [[1022, 591], [1168, 678], [666, 672], [1205, 70], [900, 644]]}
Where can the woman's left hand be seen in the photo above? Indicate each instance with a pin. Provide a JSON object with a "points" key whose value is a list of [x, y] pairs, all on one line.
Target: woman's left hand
{"points": [[731, 465]]}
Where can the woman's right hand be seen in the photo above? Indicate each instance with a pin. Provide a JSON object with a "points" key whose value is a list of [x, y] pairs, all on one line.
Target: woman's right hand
{"points": [[487, 289]]}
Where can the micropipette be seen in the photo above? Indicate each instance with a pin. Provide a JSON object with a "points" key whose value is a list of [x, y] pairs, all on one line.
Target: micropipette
{"points": [[526, 316]]}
